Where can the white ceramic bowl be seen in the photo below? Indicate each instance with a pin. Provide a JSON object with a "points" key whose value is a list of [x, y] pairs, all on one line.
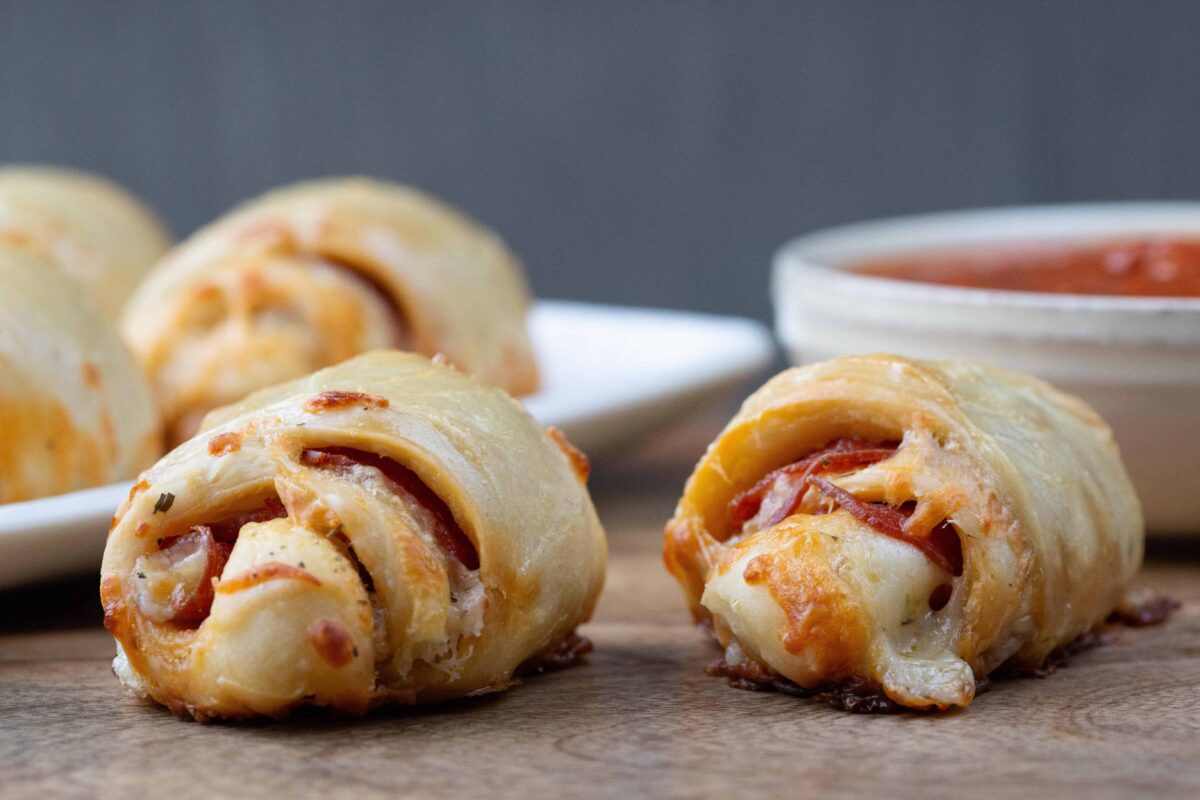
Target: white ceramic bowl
{"points": [[1136, 360]]}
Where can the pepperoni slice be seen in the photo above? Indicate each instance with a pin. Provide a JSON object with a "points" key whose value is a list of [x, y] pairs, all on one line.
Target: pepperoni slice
{"points": [[841, 455], [941, 545], [190, 605], [405, 483], [227, 530]]}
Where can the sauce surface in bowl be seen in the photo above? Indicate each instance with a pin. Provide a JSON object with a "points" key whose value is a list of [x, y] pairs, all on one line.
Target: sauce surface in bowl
{"points": [[1152, 267]]}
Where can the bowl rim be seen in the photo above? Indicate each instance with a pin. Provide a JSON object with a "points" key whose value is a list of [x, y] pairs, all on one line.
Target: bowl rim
{"points": [[809, 253]]}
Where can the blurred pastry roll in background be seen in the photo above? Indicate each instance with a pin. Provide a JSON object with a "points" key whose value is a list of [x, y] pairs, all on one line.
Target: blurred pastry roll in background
{"points": [[387, 530], [898, 529], [84, 225], [312, 274], [75, 411]]}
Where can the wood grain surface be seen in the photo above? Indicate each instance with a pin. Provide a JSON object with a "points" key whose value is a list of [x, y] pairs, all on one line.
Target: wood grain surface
{"points": [[641, 718]]}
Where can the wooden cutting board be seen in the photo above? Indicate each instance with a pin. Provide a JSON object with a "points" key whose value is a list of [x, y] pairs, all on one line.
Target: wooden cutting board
{"points": [[641, 718]]}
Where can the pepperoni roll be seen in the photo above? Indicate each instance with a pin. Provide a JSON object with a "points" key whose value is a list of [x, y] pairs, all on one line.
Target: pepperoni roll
{"points": [[896, 530], [315, 273], [387, 530]]}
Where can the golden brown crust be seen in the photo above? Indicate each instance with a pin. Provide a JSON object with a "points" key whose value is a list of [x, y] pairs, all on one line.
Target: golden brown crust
{"points": [[579, 461], [689, 553]]}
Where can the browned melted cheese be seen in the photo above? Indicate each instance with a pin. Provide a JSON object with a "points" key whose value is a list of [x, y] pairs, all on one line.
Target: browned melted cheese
{"points": [[224, 444], [814, 606], [268, 571], [853, 695], [326, 401]]}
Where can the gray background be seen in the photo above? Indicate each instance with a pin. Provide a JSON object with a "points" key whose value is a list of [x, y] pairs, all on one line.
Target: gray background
{"points": [[631, 152]]}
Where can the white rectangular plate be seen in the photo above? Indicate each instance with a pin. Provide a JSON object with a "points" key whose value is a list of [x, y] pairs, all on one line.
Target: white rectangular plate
{"points": [[609, 375]]}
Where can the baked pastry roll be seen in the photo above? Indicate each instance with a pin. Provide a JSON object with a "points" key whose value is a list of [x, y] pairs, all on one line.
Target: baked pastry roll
{"points": [[387, 530], [74, 409], [89, 228], [312, 274], [900, 528]]}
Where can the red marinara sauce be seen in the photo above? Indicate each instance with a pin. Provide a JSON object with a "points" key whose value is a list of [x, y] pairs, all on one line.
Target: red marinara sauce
{"points": [[1150, 267]]}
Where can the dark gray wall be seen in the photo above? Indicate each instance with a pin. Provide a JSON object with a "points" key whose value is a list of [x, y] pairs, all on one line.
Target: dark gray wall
{"points": [[632, 152]]}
